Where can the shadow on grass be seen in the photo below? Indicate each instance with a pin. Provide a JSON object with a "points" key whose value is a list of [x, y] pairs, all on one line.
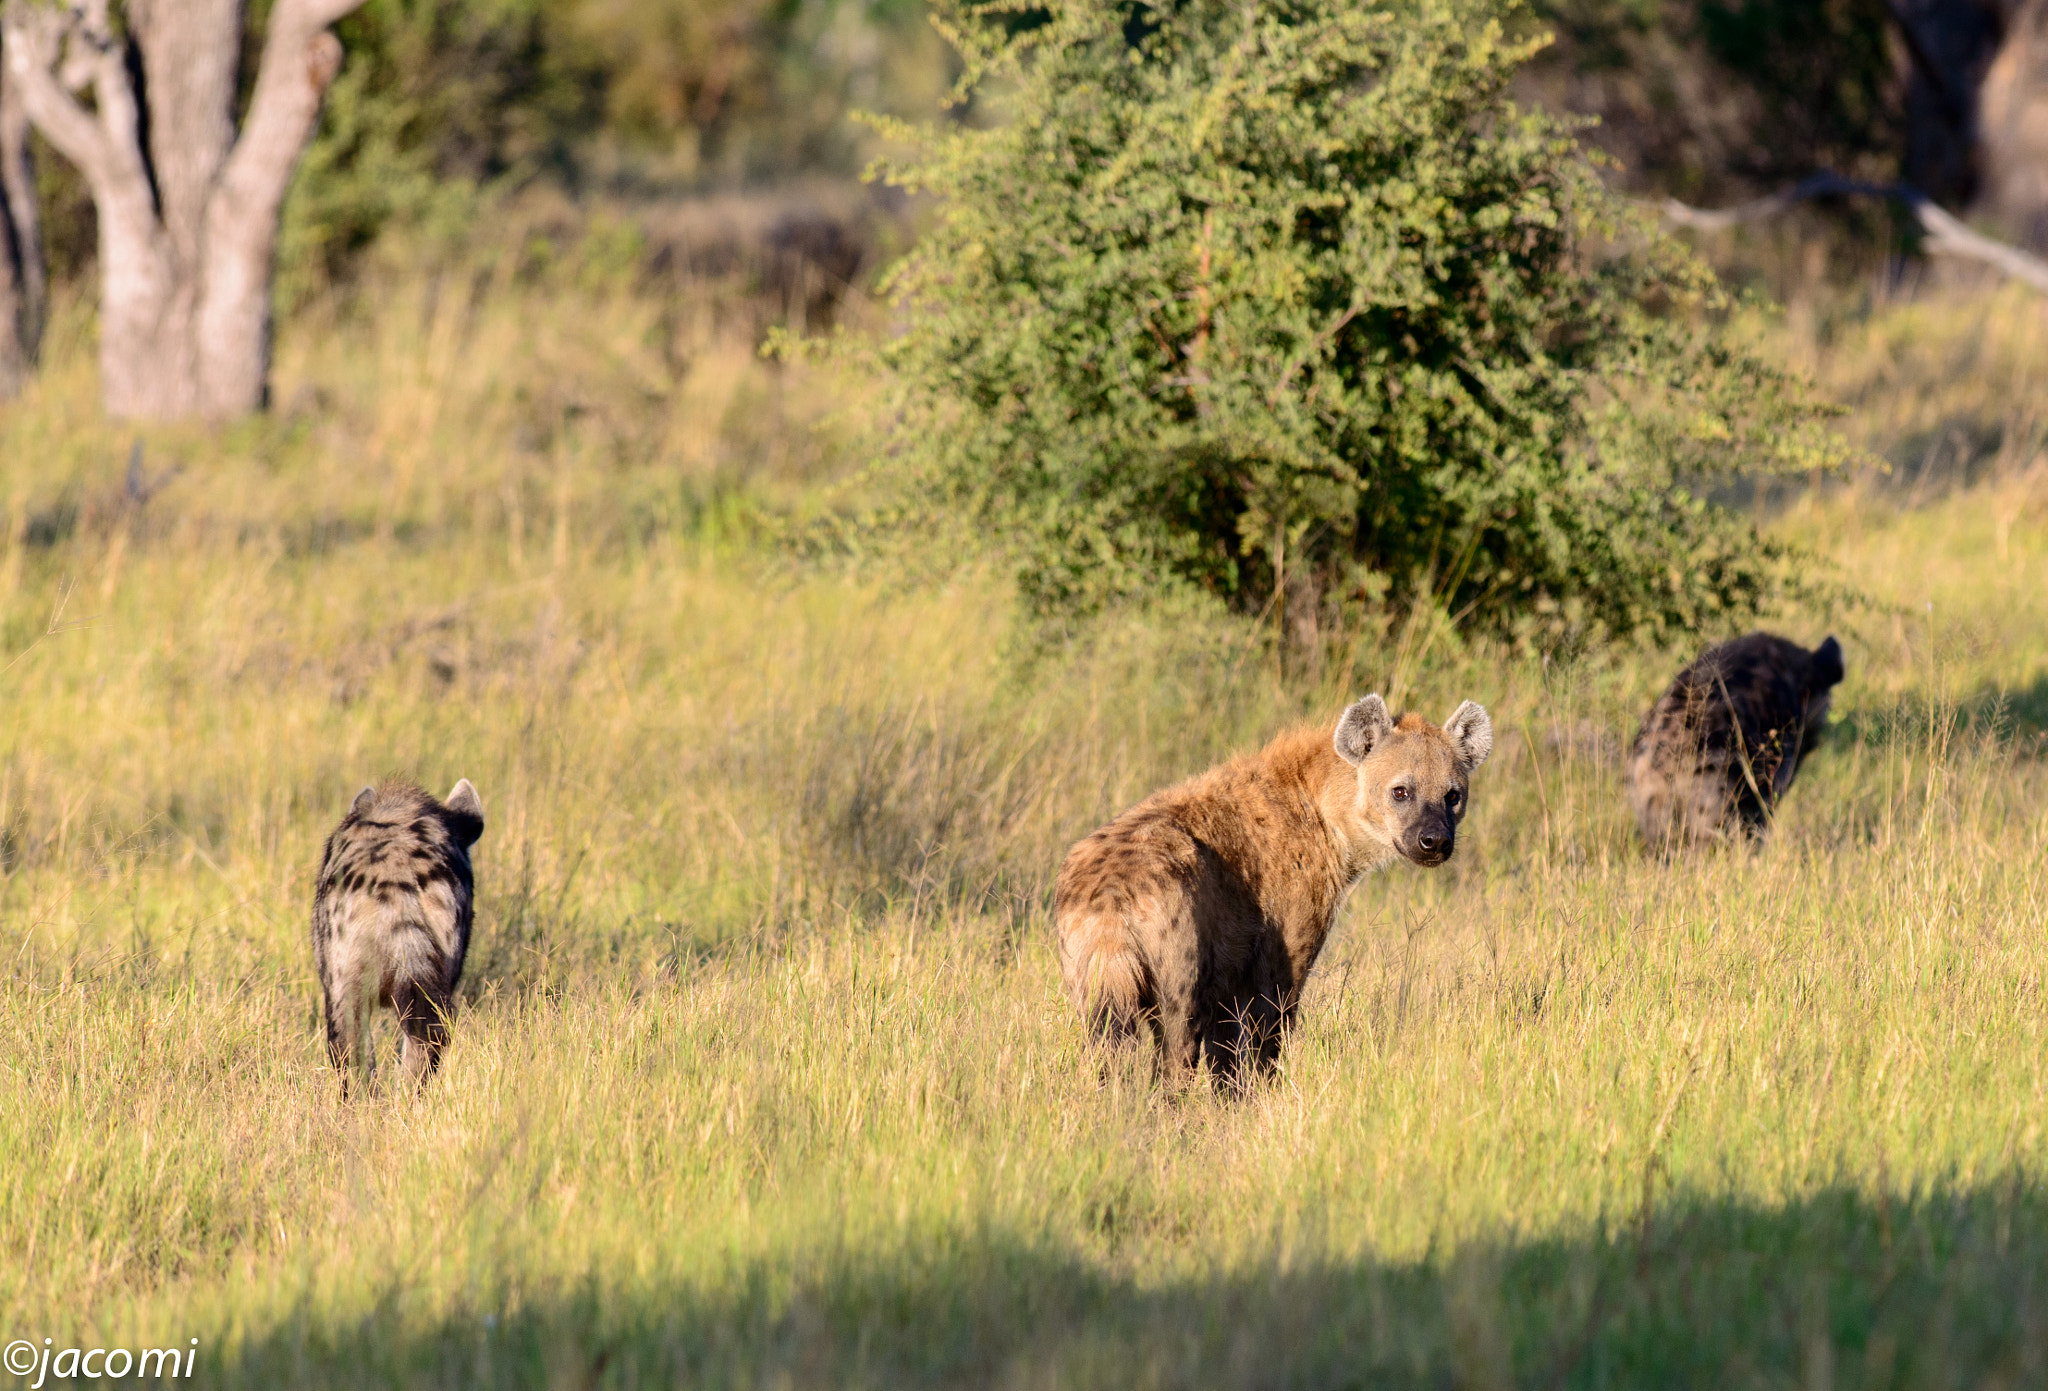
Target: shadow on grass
{"points": [[1942, 1288], [2019, 713]]}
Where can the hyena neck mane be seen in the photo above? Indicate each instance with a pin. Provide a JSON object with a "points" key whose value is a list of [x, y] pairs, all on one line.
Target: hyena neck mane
{"points": [[1307, 768], [398, 835], [1331, 846]]}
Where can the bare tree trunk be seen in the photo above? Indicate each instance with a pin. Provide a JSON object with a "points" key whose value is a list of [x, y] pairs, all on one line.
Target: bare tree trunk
{"points": [[300, 59], [23, 277], [2013, 105], [187, 223]]}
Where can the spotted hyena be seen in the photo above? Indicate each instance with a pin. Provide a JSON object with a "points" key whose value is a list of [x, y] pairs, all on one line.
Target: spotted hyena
{"points": [[391, 920], [1721, 745], [1195, 916]]}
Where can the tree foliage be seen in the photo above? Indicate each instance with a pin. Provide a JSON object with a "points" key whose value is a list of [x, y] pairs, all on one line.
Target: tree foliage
{"points": [[440, 98], [1290, 303]]}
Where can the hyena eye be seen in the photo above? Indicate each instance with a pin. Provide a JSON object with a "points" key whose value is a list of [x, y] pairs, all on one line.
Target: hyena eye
{"points": [[1452, 798], [1400, 794]]}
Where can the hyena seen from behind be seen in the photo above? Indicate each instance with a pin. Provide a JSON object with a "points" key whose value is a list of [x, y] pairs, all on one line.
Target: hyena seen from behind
{"points": [[391, 919], [1195, 917], [1721, 745]]}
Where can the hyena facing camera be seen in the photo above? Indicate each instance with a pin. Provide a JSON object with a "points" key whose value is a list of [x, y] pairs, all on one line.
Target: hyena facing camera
{"points": [[391, 919], [1195, 916]]}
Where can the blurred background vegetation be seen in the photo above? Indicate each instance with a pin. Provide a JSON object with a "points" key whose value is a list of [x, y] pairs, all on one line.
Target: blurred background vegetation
{"points": [[445, 107], [702, 159], [1716, 101]]}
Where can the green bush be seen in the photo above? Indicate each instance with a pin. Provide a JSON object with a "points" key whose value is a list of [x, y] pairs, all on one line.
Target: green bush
{"points": [[1291, 303]]}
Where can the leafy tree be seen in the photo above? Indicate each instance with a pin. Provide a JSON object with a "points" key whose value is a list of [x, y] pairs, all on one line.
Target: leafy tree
{"points": [[1289, 303]]}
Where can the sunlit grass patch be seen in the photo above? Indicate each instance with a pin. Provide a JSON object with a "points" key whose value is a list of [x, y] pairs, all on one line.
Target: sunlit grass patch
{"points": [[763, 1076]]}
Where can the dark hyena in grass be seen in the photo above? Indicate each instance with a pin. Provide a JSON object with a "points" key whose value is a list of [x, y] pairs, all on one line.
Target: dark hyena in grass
{"points": [[1720, 747], [391, 920]]}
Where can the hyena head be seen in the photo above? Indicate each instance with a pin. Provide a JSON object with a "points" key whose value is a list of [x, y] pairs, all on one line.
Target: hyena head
{"points": [[1413, 778], [462, 813], [1823, 674]]}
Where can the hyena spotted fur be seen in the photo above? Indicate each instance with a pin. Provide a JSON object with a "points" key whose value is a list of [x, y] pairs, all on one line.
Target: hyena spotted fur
{"points": [[1195, 916], [1720, 747], [391, 918]]}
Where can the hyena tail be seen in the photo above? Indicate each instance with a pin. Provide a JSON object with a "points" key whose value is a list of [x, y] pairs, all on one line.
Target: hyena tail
{"points": [[1106, 977]]}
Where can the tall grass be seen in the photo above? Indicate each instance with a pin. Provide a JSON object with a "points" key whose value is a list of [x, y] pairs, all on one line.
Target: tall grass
{"points": [[762, 1075]]}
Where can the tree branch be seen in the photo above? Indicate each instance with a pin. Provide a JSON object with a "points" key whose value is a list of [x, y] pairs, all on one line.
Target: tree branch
{"points": [[300, 59], [33, 48], [21, 239], [1945, 233], [49, 51], [321, 13]]}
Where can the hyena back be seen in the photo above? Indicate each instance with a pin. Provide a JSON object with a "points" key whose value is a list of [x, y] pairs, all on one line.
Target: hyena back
{"points": [[1196, 915], [391, 919], [1721, 746]]}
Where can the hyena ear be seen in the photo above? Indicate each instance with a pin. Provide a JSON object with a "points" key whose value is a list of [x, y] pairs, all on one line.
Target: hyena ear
{"points": [[468, 821], [362, 802], [1826, 672], [1471, 734], [1362, 725]]}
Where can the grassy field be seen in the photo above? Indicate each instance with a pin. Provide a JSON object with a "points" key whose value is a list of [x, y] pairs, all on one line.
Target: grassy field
{"points": [[763, 1077]]}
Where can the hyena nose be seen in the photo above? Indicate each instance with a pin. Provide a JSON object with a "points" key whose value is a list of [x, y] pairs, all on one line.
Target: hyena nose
{"points": [[1432, 841]]}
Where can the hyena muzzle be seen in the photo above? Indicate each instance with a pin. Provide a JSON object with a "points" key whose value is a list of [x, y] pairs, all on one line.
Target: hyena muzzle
{"points": [[391, 918]]}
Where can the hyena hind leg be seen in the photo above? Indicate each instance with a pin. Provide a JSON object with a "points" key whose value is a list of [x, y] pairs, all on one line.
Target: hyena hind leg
{"points": [[1241, 1043], [347, 1033], [424, 1012]]}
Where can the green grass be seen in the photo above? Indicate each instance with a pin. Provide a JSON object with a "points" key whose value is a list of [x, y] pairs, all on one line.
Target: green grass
{"points": [[763, 1077]]}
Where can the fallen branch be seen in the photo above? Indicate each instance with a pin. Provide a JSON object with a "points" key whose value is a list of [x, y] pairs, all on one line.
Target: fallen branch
{"points": [[1945, 234]]}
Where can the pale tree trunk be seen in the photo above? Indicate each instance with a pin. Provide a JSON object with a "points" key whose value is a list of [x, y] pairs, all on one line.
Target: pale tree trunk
{"points": [[23, 279], [2013, 107], [187, 226]]}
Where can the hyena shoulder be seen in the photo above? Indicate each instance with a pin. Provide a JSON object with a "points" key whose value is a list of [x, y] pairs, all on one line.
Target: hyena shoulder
{"points": [[397, 835]]}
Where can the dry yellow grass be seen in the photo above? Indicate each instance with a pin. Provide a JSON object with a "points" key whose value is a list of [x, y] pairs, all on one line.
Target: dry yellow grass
{"points": [[763, 1076]]}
